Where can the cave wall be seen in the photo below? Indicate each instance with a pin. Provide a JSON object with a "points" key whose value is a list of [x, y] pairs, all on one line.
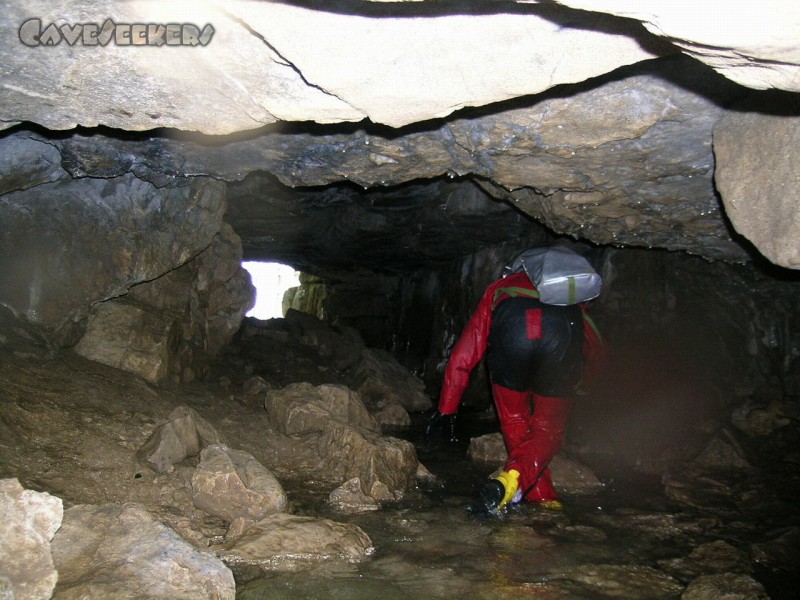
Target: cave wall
{"points": [[140, 275]]}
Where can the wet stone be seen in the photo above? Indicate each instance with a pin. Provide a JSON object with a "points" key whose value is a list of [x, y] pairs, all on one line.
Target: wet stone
{"points": [[350, 496], [124, 552], [282, 541], [624, 581], [386, 466], [781, 553], [712, 557], [725, 586], [379, 378]]}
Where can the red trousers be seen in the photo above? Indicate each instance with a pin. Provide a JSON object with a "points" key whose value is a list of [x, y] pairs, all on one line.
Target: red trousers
{"points": [[532, 437]]}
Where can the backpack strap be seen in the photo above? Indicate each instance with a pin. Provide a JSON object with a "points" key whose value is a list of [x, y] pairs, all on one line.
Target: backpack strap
{"points": [[588, 320], [513, 292]]}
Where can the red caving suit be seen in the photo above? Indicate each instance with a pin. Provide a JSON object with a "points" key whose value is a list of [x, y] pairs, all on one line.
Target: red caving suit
{"points": [[536, 354]]}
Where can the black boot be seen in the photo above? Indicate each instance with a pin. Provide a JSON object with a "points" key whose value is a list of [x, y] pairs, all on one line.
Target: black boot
{"points": [[489, 498]]}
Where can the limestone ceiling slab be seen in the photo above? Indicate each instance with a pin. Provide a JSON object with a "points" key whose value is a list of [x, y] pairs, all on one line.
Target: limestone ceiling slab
{"points": [[394, 63], [270, 61], [622, 160], [756, 44]]}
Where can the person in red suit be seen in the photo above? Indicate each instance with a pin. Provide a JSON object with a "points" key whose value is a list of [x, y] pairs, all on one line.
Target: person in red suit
{"points": [[536, 354]]}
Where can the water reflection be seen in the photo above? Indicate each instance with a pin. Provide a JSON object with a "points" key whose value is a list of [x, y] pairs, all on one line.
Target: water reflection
{"points": [[624, 542]]}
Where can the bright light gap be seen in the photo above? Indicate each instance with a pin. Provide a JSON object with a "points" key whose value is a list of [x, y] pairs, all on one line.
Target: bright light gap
{"points": [[271, 281]]}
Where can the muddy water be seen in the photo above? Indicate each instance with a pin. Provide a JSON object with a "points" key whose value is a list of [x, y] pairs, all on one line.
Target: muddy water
{"points": [[626, 541]]}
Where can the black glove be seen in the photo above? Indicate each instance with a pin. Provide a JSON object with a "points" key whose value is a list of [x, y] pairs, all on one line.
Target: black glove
{"points": [[445, 423]]}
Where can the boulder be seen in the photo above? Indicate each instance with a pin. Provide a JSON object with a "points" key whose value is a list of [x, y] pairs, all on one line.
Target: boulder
{"points": [[122, 551], [132, 338], [282, 540], [256, 386], [620, 581], [301, 408], [760, 419], [722, 451], [28, 521], [756, 174], [731, 586], [706, 559], [488, 448], [389, 414], [779, 553], [385, 466], [234, 486], [382, 381], [184, 434], [350, 496], [344, 436], [71, 244], [174, 324]]}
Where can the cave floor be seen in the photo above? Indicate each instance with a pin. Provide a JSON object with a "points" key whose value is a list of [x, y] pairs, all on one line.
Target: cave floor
{"points": [[71, 427]]}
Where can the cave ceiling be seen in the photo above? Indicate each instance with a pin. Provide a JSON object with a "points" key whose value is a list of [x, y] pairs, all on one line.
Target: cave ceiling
{"points": [[603, 121]]}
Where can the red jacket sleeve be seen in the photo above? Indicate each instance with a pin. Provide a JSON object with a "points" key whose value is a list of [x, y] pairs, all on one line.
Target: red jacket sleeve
{"points": [[467, 352]]}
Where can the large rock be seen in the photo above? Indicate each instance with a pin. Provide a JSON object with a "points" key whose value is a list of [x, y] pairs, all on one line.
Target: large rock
{"points": [[281, 541], [757, 175], [301, 408], [386, 466], [334, 421], [620, 581], [755, 46], [780, 553], [731, 586], [28, 521], [351, 497], [184, 434], [67, 245], [123, 552], [382, 382], [173, 325], [234, 486], [132, 338], [706, 559]]}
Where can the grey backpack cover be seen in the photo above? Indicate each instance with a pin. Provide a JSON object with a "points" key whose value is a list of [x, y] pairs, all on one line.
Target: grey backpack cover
{"points": [[562, 276]]}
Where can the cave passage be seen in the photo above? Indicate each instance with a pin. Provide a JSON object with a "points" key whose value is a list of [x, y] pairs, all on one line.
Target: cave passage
{"points": [[177, 414]]}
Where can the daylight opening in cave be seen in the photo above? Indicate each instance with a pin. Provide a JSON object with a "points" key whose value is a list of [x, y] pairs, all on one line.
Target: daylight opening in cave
{"points": [[271, 281]]}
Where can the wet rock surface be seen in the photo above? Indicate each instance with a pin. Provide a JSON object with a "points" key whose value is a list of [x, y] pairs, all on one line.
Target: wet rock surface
{"points": [[73, 428], [282, 540], [124, 552]]}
